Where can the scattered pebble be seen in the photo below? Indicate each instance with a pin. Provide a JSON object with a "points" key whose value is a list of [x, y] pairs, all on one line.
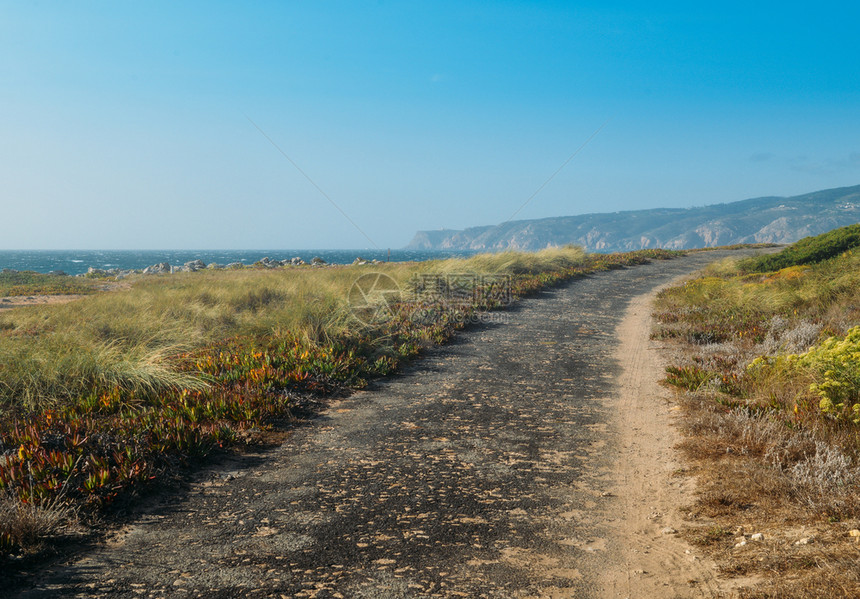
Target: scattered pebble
{"points": [[668, 531], [741, 543], [265, 531], [757, 537], [805, 541]]}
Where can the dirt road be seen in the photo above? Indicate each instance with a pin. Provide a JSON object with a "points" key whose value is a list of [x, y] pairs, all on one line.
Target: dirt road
{"points": [[507, 464]]}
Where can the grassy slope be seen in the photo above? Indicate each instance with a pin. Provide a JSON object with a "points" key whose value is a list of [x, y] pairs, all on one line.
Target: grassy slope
{"points": [[771, 421], [123, 339], [810, 250], [33, 283]]}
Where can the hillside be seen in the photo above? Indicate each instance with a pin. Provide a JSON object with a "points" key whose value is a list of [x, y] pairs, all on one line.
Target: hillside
{"points": [[758, 220]]}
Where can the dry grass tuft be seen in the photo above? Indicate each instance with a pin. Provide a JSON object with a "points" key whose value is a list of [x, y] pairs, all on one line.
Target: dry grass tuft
{"points": [[25, 526], [819, 575], [514, 263]]}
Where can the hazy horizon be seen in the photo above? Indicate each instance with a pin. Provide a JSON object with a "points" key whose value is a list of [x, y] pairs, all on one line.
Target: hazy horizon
{"points": [[340, 249], [157, 126]]}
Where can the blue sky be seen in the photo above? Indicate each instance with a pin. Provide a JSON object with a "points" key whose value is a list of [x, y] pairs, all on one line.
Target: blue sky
{"points": [[126, 124]]}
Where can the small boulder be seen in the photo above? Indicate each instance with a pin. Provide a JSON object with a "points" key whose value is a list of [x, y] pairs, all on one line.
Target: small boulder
{"points": [[9, 271], [316, 261], [58, 273], [235, 265], [195, 265], [297, 261], [269, 263], [157, 269], [360, 261], [214, 266]]}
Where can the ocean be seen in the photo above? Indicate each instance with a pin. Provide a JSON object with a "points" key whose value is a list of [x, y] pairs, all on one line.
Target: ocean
{"points": [[75, 262]]}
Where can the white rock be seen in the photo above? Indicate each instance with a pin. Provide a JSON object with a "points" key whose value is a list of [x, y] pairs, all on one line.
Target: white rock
{"points": [[195, 265], [757, 537], [269, 263], [155, 269]]}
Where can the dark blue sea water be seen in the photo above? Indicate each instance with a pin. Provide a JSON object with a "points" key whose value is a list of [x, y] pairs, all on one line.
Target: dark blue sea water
{"points": [[78, 261]]}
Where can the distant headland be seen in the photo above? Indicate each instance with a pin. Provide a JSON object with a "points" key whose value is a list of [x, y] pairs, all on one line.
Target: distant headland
{"points": [[760, 220]]}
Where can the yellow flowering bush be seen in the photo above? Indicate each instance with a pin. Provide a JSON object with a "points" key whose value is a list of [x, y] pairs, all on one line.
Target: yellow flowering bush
{"points": [[833, 365], [837, 361]]}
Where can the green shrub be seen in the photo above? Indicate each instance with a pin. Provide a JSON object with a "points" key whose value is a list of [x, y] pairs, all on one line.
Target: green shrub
{"points": [[810, 250]]}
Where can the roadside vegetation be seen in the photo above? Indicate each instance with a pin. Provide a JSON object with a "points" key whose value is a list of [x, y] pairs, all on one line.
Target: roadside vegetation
{"points": [[768, 358], [101, 396], [34, 283]]}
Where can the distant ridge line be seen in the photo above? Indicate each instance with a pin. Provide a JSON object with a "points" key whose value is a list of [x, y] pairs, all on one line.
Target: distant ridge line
{"points": [[770, 219]]}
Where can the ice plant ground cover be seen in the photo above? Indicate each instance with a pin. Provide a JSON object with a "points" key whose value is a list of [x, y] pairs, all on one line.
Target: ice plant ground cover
{"points": [[769, 364], [103, 395]]}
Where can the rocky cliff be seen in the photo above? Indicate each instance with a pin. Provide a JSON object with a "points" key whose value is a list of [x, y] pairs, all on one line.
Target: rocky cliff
{"points": [[759, 220]]}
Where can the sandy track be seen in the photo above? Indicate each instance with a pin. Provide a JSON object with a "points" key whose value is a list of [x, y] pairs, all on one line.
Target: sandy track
{"points": [[651, 560], [527, 459]]}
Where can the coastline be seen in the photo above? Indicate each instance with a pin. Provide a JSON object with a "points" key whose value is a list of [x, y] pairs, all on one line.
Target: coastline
{"points": [[76, 262]]}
